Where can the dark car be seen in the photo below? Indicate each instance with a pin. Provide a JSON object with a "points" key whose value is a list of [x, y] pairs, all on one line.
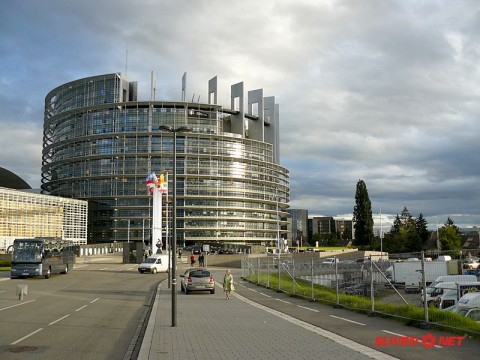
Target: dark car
{"points": [[197, 279]]}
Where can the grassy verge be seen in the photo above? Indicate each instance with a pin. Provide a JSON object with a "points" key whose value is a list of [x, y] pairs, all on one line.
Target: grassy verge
{"points": [[408, 314]]}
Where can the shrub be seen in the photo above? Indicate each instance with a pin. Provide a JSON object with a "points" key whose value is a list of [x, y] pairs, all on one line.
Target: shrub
{"points": [[5, 263]]}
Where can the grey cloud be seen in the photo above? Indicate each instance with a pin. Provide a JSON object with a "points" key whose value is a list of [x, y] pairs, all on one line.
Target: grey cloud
{"points": [[381, 91]]}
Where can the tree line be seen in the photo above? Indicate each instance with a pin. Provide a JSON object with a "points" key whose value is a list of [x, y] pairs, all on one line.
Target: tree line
{"points": [[407, 234]]}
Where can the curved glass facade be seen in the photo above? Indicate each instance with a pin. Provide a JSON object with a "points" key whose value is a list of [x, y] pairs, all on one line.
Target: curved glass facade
{"points": [[100, 143]]}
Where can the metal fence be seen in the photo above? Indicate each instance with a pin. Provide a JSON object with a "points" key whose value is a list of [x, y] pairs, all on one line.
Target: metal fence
{"points": [[391, 286]]}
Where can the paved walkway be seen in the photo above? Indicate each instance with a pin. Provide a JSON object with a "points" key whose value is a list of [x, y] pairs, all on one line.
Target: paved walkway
{"points": [[210, 327]]}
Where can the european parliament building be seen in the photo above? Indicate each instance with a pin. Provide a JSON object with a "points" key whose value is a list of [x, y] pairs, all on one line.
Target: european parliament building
{"points": [[100, 143]]}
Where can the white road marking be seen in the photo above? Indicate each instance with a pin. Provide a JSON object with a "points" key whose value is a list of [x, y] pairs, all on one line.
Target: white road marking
{"points": [[307, 308], [27, 336], [284, 301], [94, 300], [63, 317], [83, 307], [344, 319], [8, 307], [265, 295]]}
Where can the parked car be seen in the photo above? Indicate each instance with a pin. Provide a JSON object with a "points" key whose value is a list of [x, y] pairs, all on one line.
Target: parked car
{"points": [[197, 279], [330, 261], [468, 306], [471, 263], [284, 264], [153, 264]]}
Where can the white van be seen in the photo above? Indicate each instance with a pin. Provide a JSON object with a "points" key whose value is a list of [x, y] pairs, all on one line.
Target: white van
{"points": [[468, 306], [447, 294], [444, 258], [449, 278], [330, 261], [154, 263]]}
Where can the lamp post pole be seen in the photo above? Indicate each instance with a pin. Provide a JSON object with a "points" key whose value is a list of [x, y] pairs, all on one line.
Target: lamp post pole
{"points": [[381, 237], [128, 232], [181, 129]]}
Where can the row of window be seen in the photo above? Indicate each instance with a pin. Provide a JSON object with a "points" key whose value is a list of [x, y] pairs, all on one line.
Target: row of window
{"points": [[83, 93]]}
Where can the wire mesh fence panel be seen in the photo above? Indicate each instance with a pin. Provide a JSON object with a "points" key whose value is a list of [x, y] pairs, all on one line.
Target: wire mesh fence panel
{"points": [[393, 285]]}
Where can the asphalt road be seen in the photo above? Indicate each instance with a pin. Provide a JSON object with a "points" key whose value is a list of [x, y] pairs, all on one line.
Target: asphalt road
{"points": [[97, 311], [93, 312]]}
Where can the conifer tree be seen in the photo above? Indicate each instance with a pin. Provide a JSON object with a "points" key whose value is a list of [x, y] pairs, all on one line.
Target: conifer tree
{"points": [[362, 217]]}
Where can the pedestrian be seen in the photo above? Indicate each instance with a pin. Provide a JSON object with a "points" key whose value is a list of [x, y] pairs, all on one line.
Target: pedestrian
{"points": [[192, 260], [228, 284], [201, 260]]}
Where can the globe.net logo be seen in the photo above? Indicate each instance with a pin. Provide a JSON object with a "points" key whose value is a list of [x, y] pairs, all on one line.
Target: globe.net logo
{"points": [[427, 340]]}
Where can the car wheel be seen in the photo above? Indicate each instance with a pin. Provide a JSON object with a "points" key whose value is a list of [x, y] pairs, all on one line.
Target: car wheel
{"points": [[154, 270], [65, 270], [212, 291]]}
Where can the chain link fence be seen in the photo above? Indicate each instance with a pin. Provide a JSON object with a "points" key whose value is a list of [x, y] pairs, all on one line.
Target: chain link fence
{"points": [[389, 285]]}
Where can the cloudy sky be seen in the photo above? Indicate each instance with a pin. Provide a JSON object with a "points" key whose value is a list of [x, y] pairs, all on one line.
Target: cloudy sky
{"points": [[387, 91]]}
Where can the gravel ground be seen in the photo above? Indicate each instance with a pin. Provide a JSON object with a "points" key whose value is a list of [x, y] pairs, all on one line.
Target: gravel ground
{"points": [[411, 298]]}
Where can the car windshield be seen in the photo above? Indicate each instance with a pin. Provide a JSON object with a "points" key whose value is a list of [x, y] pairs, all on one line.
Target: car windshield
{"points": [[150, 260], [200, 273]]}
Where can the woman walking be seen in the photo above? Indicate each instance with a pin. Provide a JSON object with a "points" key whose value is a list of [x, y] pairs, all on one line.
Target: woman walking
{"points": [[228, 284]]}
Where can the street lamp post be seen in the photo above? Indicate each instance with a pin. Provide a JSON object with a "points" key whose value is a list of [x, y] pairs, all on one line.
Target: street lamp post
{"points": [[181, 129], [381, 237], [128, 232]]}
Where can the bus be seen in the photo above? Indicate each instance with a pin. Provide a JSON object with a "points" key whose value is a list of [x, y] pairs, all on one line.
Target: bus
{"points": [[41, 257]]}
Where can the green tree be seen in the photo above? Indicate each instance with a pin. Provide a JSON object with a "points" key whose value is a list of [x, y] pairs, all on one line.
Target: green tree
{"points": [[404, 235], [362, 217], [422, 228], [450, 238], [450, 222]]}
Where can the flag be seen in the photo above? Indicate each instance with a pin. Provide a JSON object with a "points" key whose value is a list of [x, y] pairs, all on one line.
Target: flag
{"points": [[151, 180], [162, 184]]}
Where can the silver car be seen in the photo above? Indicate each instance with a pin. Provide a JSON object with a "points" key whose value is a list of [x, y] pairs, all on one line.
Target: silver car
{"points": [[197, 279]]}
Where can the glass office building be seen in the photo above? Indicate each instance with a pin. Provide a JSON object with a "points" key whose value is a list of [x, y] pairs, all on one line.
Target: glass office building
{"points": [[100, 142], [29, 215]]}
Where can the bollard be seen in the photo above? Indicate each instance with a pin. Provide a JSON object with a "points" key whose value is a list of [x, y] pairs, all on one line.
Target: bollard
{"points": [[22, 290]]}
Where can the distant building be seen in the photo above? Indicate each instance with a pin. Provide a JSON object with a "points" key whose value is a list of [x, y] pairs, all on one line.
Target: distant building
{"points": [[10, 180], [299, 227], [28, 215], [470, 237], [323, 225]]}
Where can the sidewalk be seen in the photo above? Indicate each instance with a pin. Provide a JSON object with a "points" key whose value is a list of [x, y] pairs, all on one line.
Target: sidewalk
{"points": [[210, 327]]}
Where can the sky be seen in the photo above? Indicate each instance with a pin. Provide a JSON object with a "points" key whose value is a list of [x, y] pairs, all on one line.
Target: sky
{"points": [[386, 91]]}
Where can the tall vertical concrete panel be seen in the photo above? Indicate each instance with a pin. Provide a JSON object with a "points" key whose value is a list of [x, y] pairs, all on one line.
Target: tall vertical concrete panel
{"points": [[212, 90], [255, 118], [271, 122], [236, 104], [277, 134], [184, 86]]}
